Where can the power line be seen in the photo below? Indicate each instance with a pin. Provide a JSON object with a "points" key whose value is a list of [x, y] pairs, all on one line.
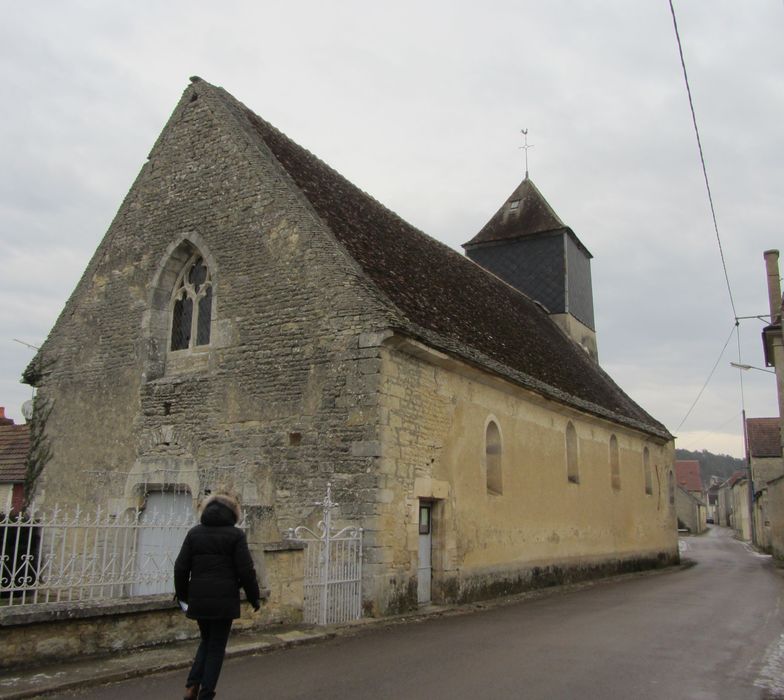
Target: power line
{"points": [[702, 160], [729, 420], [721, 354]]}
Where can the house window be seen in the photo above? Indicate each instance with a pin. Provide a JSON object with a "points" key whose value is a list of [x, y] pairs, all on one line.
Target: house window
{"points": [[514, 204], [615, 463], [671, 487], [192, 306], [646, 468], [572, 458], [493, 452]]}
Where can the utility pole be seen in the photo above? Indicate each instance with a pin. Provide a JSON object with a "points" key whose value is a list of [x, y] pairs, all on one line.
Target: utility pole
{"points": [[771, 335]]}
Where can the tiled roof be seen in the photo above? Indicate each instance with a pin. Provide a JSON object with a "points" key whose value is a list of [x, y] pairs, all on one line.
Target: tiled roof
{"points": [[687, 473], [764, 435], [14, 444], [736, 476], [524, 213], [690, 495], [446, 300]]}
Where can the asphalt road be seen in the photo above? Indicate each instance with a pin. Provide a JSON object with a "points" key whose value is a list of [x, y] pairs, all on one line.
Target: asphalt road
{"points": [[711, 631]]}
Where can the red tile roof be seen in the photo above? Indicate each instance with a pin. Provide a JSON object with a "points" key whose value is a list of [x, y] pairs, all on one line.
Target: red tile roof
{"points": [[735, 478], [687, 473], [764, 436], [14, 445]]}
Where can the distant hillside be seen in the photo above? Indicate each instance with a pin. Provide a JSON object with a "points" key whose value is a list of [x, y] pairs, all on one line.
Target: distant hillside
{"points": [[711, 464]]}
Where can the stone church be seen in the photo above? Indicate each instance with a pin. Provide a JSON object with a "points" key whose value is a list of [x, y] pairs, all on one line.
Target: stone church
{"points": [[254, 322]]}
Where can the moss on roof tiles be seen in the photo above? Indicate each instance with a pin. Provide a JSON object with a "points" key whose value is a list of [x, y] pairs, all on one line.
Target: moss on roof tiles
{"points": [[445, 297]]}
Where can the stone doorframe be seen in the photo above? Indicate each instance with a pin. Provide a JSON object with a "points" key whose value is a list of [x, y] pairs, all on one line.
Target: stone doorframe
{"points": [[437, 494]]}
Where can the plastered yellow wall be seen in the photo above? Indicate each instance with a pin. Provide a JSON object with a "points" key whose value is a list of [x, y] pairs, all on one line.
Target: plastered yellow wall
{"points": [[434, 416]]}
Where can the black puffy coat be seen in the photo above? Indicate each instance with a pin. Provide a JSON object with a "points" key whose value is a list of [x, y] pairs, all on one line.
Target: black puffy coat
{"points": [[213, 563]]}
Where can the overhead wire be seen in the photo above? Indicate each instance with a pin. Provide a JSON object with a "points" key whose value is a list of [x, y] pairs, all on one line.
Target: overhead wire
{"points": [[715, 224], [702, 160], [721, 354]]}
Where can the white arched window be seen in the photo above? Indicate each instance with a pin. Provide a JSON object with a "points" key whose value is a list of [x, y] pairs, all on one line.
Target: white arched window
{"points": [[493, 452], [572, 457], [615, 463], [191, 306]]}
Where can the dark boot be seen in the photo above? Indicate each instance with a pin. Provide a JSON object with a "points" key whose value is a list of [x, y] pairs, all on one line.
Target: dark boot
{"points": [[206, 694], [191, 692]]}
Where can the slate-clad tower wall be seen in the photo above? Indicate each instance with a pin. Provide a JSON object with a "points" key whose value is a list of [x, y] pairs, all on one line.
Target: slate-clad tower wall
{"points": [[528, 246]]}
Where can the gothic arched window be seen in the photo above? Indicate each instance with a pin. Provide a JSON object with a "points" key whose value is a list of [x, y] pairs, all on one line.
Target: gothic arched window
{"points": [[493, 451], [572, 459], [192, 306], [615, 463], [646, 468]]}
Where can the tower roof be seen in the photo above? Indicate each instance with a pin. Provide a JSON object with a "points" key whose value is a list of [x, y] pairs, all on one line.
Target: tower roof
{"points": [[524, 213]]}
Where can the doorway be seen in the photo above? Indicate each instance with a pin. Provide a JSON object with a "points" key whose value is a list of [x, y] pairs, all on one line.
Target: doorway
{"points": [[163, 524], [425, 566]]}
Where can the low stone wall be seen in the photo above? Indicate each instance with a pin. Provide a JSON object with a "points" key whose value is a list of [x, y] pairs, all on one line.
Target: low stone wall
{"points": [[483, 586], [35, 634]]}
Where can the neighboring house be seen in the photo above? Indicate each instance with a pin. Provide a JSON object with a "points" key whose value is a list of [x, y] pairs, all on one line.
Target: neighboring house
{"points": [[772, 506], [712, 500], [690, 503], [687, 475], [254, 322], [764, 444], [691, 511], [734, 504], [775, 514], [14, 446]]}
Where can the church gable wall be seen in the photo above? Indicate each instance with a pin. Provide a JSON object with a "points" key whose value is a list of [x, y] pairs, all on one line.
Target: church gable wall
{"points": [[283, 397]]}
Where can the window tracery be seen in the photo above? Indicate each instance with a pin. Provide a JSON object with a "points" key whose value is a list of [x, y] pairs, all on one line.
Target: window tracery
{"points": [[192, 306]]}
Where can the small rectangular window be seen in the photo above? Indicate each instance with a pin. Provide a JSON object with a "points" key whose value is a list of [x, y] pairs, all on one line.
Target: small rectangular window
{"points": [[514, 204], [424, 520]]}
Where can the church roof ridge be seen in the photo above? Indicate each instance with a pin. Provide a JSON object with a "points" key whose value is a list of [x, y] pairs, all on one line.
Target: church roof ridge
{"points": [[441, 294]]}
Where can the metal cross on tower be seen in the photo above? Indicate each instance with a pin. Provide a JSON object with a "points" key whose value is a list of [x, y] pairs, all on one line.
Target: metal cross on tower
{"points": [[525, 148]]}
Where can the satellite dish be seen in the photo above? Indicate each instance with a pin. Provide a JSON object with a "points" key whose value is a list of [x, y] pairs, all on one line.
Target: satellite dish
{"points": [[27, 409]]}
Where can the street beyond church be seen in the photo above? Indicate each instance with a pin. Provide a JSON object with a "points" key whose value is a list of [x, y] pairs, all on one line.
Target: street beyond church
{"points": [[710, 631]]}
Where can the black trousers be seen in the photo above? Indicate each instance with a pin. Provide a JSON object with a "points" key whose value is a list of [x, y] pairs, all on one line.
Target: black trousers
{"points": [[209, 656]]}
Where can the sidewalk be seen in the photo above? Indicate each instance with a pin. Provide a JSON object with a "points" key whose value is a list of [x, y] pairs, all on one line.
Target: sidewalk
{"points": [[45, 680]]}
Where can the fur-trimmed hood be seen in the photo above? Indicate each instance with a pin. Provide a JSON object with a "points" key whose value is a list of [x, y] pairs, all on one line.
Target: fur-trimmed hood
{"points": [[218, 508]]}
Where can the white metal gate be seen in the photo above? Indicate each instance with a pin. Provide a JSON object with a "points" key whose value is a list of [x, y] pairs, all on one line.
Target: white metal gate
{"points": [[333, 569]]}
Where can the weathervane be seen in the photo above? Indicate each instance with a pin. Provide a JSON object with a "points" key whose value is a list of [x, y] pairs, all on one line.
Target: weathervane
{"points": [[525, 148]]}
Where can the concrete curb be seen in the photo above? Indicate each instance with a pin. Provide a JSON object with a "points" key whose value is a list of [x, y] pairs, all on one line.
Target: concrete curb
{"points": [[50, 680]]}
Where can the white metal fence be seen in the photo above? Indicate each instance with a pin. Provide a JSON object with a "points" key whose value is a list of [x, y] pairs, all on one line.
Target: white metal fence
{"points": [[78, 556], [333, 570]]}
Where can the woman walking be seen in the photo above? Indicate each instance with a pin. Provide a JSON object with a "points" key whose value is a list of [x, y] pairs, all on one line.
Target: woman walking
{"points": [[213, 563]]}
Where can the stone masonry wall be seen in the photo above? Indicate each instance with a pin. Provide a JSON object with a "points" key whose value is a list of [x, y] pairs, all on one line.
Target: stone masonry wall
{"points": [[282, 401], [541, 529]]}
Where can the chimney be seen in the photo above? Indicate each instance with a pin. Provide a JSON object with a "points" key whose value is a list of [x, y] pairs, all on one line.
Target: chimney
{"points": [[3, 419], [774, 284]]}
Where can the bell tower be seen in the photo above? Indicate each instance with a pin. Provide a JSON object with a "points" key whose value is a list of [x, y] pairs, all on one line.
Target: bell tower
{"points": [[528, 246]]}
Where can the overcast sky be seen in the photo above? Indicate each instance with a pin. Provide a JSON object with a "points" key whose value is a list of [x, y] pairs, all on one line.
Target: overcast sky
{"points": [[421, 105]]}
